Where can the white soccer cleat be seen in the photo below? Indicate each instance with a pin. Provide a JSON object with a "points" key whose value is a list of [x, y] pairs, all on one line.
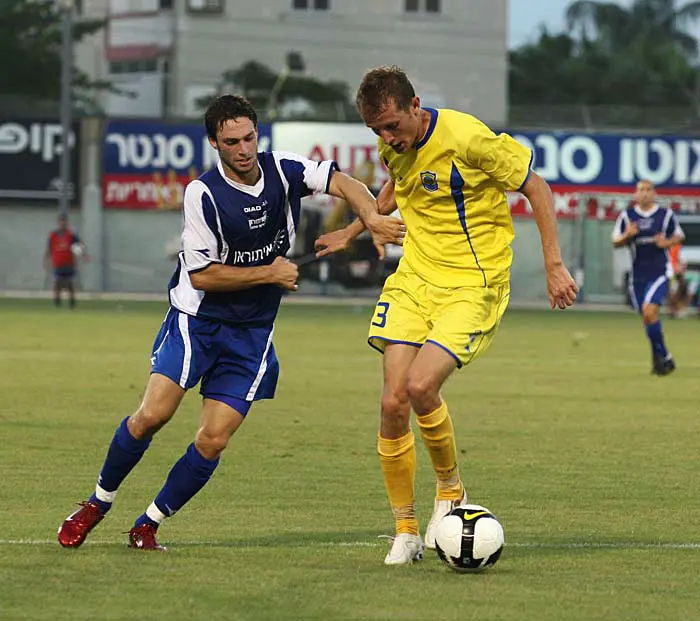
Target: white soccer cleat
{"points": [[405, 549], [440, 510]]}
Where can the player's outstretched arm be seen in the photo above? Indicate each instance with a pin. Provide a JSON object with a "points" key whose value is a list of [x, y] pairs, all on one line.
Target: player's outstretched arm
{"points": [[217, 277], [561, 287], [384, 229], [340, 240]]}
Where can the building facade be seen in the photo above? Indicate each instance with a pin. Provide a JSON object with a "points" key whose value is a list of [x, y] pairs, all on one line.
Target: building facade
{"points": [[167, 54]]}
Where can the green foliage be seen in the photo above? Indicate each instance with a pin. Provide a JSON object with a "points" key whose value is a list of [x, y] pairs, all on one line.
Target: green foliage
{"points": [[30, 44], [257, 82], [638, 55]]}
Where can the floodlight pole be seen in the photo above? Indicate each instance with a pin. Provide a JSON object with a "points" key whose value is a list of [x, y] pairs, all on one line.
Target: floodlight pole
{"points": [[66, 8]]}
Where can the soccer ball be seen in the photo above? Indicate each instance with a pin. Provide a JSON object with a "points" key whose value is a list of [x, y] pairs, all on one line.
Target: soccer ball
{"points": [[77, 249], [469, 539]]}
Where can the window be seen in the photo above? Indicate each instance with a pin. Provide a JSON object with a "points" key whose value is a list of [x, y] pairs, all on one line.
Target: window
{"points": [[133, 66], [205, 6], [166, 4], [315, 5], [427, 6]]}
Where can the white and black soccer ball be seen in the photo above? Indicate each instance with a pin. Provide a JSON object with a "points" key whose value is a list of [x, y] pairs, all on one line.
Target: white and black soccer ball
{"points": [[469, 539], [78, 249]]}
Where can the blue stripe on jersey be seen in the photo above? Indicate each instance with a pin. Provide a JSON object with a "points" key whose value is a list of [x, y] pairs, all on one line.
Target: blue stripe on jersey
{"points": [[209, 212], [529, 171], [334, 167], [295, 170], [456, 185], [431, 127]]}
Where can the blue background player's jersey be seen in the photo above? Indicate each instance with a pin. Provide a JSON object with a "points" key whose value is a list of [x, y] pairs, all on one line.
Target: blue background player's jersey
{"points": [[648, 260], [243, 226]]}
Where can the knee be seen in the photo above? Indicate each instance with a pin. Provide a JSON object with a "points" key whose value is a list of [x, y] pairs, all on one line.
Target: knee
{"points": [[395, 405], [147, 420], [421, 389], [650, 314], [210, 445]]}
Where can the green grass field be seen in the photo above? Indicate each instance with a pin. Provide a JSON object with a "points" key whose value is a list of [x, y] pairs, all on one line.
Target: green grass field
{"points": [[590, 463]]}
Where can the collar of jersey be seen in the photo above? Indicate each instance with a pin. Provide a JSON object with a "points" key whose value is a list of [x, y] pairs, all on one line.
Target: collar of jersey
{"points": [[646, 214], [253, 190], [431, 127]]}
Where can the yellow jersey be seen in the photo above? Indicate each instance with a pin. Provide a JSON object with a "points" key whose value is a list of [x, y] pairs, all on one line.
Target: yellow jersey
{"points": [[451, 192]]}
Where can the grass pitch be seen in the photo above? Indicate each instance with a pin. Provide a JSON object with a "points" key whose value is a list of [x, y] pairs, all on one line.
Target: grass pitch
{"points": [[590, 463]]}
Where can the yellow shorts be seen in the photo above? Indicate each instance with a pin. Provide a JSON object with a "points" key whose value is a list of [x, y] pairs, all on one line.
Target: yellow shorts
{"points": [[460, 320]]}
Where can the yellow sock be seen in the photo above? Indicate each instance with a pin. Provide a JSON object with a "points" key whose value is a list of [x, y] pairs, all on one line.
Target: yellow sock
{"points": [[398, 458], [439, 438]]}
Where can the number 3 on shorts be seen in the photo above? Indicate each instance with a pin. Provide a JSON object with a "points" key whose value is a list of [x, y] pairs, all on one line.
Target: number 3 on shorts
{"points": [[380, 314]]}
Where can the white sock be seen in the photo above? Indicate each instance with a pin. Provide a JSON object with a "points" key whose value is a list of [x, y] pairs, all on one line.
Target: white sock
{"points": [[155, 514]]}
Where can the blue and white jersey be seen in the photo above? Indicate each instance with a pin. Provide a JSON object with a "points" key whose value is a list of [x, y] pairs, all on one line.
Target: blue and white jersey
{"points": [[648, 260], [243, 226]]}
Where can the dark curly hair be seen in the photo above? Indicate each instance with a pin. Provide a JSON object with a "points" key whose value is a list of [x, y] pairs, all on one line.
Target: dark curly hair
{"points": [[382, 84], [226, 108]]}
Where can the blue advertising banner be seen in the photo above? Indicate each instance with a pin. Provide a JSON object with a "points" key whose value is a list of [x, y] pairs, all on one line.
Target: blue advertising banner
{"points": [[615, 162], [148, 164], [30, 156]]}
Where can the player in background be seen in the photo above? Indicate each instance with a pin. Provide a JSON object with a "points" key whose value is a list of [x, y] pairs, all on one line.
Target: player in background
{"points": [[441, 308], [60, 253], [240, 220], [649, 231]]}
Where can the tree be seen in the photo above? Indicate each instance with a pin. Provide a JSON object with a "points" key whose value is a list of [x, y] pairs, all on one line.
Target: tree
{"points": [[651, 22], [30, 44], [258, 82], [625, 58], [651, 59]]}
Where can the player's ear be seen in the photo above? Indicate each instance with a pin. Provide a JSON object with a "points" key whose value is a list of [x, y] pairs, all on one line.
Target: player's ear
{"points": [[213, 143], [415, 103]]}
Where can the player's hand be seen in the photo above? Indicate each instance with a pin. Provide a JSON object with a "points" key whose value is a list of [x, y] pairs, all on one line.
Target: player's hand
{"points": [[661, 241], [285, 274], [632, 230], [385, 230], [335, 241], [561, 286]]}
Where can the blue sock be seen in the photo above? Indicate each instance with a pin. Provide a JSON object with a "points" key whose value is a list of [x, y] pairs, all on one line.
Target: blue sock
{"points": [[656, 337], [187, 477], [124, 453]]}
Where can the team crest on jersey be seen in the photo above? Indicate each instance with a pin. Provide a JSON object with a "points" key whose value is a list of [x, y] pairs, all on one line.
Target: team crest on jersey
{"points": [[429, 180]]}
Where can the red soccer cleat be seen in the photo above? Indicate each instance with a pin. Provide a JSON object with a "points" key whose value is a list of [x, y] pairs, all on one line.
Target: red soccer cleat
{"points": [[78, 525], [144, 538]]}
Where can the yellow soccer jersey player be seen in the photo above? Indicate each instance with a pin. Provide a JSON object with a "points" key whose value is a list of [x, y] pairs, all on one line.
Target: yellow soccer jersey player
{"points": [[451, 288], [449, 178], [450, 190]]}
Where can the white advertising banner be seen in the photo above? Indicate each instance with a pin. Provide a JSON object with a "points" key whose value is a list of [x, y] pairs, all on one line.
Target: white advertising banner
{"points": [[349, 144]]}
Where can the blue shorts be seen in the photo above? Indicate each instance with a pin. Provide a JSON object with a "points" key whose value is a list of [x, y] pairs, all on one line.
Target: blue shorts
{"points": [[234, 364], [652, 291], [65, 273]]}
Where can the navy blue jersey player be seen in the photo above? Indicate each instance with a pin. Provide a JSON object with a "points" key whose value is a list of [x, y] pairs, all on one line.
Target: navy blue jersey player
{"points": [[240, 220], [649, 231]]}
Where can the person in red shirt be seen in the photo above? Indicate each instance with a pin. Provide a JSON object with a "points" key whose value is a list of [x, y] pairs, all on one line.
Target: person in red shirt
{"points": [[62, 247]]}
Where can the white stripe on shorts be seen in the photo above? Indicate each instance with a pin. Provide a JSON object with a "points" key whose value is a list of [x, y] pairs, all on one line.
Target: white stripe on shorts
{"points": [[652, 290], [633, 295], [261, 371], [183, 323]]}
